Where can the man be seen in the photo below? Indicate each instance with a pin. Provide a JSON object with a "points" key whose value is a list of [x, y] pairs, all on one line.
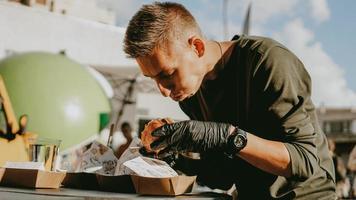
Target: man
{"points": [[254, 122], [126, 132]]}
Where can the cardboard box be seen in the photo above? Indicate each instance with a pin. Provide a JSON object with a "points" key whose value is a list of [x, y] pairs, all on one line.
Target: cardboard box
{"points": [[163, 186], [122, 184], [91, 181], [31, 178], [81, 180]]}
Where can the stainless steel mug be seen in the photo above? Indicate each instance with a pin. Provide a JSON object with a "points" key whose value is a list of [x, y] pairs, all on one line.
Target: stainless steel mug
{"points": [[44, 150]]}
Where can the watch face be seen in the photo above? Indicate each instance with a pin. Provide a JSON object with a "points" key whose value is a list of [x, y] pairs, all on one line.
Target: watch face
{"points": [[236, 142], [239, 141]]}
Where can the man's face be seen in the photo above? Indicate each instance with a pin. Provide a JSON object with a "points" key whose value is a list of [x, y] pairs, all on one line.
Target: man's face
{"points": [[177, 69]]}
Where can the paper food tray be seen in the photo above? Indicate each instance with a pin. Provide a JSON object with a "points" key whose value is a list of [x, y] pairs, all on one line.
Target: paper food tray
{"points": [[92, 181], [122, 184], [163, 186], [81, 180], [31, 178]]}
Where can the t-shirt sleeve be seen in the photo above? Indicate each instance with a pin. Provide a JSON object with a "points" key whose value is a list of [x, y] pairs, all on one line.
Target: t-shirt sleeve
{"points": [[285, 87]]}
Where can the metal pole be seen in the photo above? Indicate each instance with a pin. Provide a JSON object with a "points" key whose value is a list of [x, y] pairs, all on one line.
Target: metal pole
{"points": [[225, 19]]}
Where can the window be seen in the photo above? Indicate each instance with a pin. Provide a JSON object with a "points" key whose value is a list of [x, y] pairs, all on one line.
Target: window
{"points": [[337, 126]]}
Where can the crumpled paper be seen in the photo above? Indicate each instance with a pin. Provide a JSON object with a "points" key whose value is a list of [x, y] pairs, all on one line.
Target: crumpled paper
{"points": [[133, 163], [148, 167], [99, 155], [98, 158]]}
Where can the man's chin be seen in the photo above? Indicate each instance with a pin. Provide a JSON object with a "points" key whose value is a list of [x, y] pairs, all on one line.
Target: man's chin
{"points": [[178, 99], [181, 98]]}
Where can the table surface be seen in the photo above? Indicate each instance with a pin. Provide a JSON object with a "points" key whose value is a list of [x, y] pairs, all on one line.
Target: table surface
{"points": [[10, 193]]}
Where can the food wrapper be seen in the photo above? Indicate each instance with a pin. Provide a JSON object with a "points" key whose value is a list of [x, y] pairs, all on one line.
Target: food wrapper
{"points": [[99, 155], [94, 157], [100, 159], [149, 167], [97, 158], [133, 163]]}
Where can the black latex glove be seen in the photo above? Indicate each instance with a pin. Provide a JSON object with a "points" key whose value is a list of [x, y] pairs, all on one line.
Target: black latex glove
{"points": [[192, 136]]}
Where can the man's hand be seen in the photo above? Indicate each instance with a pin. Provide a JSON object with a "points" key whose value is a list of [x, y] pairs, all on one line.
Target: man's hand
{"points": [[192, 136]]}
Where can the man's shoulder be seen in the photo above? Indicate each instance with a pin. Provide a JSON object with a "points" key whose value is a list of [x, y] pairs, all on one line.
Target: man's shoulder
{"points": [[266, 55], [258, 43]]}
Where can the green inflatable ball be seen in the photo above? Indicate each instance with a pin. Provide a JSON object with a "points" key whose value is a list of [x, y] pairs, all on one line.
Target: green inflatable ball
{"points": [[61, 98]]}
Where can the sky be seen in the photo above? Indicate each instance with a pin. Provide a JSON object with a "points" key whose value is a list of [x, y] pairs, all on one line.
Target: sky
{"points": [[320, 32]]}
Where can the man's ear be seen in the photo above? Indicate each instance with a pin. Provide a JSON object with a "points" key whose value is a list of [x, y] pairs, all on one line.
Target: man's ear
{"points": [[198, 45]]}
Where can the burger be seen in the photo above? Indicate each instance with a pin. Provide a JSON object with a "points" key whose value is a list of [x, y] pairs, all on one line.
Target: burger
{"points": [[146, 134]]}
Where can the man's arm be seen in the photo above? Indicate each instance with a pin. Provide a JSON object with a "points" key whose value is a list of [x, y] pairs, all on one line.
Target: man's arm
{"points": [[284, 87], [270, 156]]}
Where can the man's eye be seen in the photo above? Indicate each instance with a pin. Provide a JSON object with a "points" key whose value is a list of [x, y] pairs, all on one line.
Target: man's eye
{"points": [[167, 75]]}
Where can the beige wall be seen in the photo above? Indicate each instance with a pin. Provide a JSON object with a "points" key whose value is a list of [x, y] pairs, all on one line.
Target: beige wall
{"points": [[25, 28]]}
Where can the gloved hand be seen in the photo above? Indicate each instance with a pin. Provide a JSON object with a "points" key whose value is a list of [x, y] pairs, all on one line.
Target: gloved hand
{"points": [[192, 136]]}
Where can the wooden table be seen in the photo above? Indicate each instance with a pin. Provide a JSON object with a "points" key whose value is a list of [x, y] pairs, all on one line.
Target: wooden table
{"points": [[9, 193]]}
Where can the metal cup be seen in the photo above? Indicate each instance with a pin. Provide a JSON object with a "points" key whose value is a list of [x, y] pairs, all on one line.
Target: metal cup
{"points": [[44, 150]]}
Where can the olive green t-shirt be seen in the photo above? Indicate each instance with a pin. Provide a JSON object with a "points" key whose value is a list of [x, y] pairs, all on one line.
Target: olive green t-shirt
{"points": [[265, 90]]}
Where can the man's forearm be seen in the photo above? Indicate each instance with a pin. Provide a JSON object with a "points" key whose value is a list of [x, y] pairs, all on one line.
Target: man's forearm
{"points": [[270, 156]]}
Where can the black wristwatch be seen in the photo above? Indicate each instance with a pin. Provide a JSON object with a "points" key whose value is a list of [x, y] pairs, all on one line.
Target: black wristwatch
{"points": [[236, 141]]}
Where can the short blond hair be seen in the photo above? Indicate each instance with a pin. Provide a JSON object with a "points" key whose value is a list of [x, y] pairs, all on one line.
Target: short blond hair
{"points": [[156, 24]]}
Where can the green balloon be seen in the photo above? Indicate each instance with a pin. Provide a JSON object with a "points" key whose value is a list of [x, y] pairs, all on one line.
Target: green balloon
{"points": [[61, 98]]}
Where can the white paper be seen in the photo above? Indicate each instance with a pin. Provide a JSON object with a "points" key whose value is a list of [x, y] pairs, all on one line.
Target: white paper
{"points": [[94, 157], [25, 165], [98, 158], [98, 155], [149, 167], [130, 153], [92, 169]]}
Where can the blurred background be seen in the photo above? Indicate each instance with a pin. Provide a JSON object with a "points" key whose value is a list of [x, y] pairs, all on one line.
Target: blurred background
{"points": [[63, 65]]}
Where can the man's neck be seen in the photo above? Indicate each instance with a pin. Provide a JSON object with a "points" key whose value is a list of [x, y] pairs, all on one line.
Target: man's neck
{"points": [[215, 52]]}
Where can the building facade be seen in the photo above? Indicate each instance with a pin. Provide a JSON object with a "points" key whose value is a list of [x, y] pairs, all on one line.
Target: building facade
{"points": [[86, 9], [339, 124]]}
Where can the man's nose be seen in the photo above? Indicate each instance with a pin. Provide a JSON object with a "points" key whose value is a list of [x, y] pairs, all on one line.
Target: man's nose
{"points": [[164, 91]]}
